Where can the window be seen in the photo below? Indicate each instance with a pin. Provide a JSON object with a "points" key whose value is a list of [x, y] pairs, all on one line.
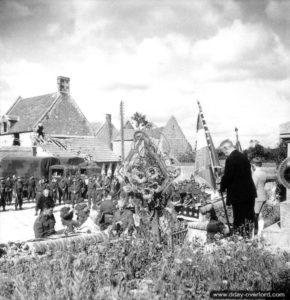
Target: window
{"points": [[4, 127], [16, 141]]}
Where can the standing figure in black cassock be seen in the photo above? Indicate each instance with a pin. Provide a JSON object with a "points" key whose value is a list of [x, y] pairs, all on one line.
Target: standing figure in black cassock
{"points": [[19, 193], [2, 194], [237, 181]]}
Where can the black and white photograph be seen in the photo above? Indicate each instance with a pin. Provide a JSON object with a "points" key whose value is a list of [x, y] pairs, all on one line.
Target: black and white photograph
{"points": [[144, 149]]}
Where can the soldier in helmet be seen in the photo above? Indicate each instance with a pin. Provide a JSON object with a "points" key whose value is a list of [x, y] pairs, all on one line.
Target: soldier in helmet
{"points": [[75, 190], [53, 189], [8, 190]]}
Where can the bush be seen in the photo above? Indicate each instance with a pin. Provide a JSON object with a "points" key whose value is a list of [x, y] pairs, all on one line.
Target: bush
{"points": [[140, 269]]}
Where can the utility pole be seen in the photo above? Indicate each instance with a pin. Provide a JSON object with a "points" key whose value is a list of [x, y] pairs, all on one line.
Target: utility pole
{"points": [[122, 130]]}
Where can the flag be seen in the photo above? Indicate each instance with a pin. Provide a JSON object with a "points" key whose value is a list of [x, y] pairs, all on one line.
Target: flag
{"points": [[206, 160], [238, 144]]}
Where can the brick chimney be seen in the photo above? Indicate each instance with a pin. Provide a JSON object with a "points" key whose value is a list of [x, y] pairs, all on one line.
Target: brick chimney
{"points": [[63, 84], [110, 130]]}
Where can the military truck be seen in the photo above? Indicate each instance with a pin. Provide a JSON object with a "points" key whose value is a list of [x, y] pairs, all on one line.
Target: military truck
{"points": [[26, 166], [82, 169]]}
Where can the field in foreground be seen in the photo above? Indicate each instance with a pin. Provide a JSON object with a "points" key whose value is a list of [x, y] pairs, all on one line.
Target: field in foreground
{"points": [[141, 269]]}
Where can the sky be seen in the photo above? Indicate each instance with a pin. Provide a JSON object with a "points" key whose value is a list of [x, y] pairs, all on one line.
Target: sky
{"points": [[158, 57]]}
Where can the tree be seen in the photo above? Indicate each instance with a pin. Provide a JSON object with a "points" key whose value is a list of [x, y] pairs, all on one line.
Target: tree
{"points": [[257, 150], [140, 121]]}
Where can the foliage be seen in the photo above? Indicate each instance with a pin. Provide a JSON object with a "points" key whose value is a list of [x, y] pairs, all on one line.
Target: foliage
{"points": [[257, 150], [268, 154], [142, 269], [140, 121], [188, 156]]}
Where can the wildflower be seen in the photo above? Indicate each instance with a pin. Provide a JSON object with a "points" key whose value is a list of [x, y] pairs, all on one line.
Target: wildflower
{"points": [[178, 261], [225, 282], [244, 258], [288, 264]]}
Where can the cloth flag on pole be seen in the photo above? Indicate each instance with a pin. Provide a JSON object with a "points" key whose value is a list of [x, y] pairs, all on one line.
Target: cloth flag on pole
{"points": [[206, 159], [238, 144]]}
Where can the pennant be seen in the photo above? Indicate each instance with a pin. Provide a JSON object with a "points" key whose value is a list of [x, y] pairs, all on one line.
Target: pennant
{"points": [[206, 158]]}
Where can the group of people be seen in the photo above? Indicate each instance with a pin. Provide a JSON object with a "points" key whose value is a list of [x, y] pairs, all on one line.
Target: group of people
{"points": [[118, 212], [16, 187], [66, 189]]}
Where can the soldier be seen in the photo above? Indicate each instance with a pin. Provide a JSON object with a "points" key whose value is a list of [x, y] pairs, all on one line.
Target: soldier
{"points": [[75, 190], [25, 188], [31, 188], [83, 188], [39, 190], [53, 189], [91, 192], [69, 183], [44, 225], [2, 194], [19, 193], [8, 190], [99, 188], [63, 190], [123, 221]]}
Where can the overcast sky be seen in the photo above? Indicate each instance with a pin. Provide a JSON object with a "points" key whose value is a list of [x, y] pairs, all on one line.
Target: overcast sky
{"points": [[159, 57]]}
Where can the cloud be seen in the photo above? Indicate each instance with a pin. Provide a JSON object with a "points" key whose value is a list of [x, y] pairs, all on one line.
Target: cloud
{"points": [[279, 11], [12, 9], [240, 52], [158, 58]]}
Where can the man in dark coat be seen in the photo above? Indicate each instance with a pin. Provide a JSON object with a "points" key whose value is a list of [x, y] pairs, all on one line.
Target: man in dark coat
{"points": [[45, 222], [44, 198], [237, 181], [2, 194], [31, 188], [62, 190], [19, 193]]}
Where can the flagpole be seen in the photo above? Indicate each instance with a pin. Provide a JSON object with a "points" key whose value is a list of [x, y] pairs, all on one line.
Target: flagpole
{"points": [[208, 142], [214, 168]]}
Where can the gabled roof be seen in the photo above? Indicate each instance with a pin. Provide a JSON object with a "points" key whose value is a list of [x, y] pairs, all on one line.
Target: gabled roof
{"points": [[103, 132], [175, 137], [30, 111], [78, 146], [128, 135], [96, 126], [128, 125]]}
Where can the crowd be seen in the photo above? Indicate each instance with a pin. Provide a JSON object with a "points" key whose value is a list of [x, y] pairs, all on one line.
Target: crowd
{"points": [[13, 190], [111, 203]]}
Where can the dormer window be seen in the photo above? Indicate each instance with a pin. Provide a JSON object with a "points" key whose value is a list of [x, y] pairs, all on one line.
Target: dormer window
{"points": [[5, 127]]}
